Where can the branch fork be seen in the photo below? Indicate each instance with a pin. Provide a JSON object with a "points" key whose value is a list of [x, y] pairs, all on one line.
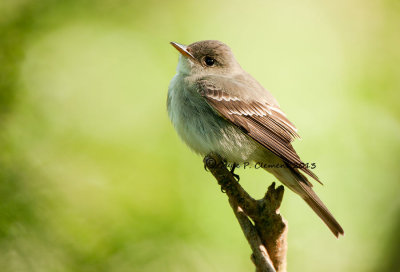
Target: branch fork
{"points": [[260, 220]]}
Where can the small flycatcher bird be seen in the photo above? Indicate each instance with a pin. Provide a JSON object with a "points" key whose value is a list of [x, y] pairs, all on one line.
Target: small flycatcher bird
{"points": [[215, 106]]}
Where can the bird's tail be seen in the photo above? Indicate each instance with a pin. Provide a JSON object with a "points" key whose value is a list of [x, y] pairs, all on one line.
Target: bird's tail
{"points": [[322, 211], [298, 183]]}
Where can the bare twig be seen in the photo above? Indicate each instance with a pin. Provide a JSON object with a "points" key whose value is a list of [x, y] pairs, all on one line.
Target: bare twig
{"points": [[267, 236]]}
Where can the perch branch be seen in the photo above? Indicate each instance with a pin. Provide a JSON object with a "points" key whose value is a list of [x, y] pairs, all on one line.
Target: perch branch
{"points": [[267, 235]]}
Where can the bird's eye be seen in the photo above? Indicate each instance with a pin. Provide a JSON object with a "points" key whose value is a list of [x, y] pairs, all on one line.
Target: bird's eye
{"points": [[209, 61]]}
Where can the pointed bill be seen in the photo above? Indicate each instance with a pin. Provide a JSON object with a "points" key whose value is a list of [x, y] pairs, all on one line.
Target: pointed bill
{"points": [[182, 49]]}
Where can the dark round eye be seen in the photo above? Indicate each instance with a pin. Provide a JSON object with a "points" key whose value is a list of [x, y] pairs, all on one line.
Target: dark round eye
{"points": [[209, 61]]}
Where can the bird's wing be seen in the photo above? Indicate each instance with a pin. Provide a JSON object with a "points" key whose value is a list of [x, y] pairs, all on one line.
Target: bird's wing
{"points": [[266, 124]]}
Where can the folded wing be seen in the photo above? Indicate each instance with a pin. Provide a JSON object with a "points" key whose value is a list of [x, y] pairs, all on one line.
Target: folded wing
{"points": [[263, 122]]}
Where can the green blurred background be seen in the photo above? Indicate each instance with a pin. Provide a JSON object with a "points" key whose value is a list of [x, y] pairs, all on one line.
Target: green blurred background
{"points": [[94, 178]]}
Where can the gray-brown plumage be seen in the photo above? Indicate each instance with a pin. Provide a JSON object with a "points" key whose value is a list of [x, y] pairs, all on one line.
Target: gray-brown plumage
{"points": [[216, 106]]}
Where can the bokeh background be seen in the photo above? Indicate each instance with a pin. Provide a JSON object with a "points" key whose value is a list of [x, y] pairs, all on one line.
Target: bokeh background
{"points": [[94, 178]]}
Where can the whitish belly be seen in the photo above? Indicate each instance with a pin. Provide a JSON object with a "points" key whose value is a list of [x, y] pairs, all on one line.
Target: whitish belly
{"points": [[204, 131]]}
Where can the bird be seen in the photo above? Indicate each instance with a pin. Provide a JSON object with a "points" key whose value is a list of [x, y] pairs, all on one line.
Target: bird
{"points": [[216, 106]]}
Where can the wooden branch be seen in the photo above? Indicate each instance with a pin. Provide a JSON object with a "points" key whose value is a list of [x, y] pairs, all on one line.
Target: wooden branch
{"points": [[267, 236]]}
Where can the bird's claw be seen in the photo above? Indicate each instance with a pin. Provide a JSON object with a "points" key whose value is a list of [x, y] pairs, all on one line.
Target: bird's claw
{"points": [[236, 176]]}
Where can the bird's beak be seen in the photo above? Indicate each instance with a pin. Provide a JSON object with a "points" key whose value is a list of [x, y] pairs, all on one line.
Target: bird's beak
{"points": [[182, 49]]}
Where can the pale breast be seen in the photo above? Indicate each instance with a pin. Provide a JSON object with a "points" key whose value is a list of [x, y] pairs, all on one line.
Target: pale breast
{"points": [[202, 129]]}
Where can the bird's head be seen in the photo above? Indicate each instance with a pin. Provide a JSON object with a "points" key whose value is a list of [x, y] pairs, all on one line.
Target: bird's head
{"points": [[206, 58]]}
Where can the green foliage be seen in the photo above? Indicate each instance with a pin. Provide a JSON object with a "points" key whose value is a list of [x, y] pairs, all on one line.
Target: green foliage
{"points": [[93, 177]]}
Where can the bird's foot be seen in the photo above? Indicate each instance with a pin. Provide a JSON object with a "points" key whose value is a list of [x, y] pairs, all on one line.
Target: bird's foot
{"points": [[236, 176]]}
